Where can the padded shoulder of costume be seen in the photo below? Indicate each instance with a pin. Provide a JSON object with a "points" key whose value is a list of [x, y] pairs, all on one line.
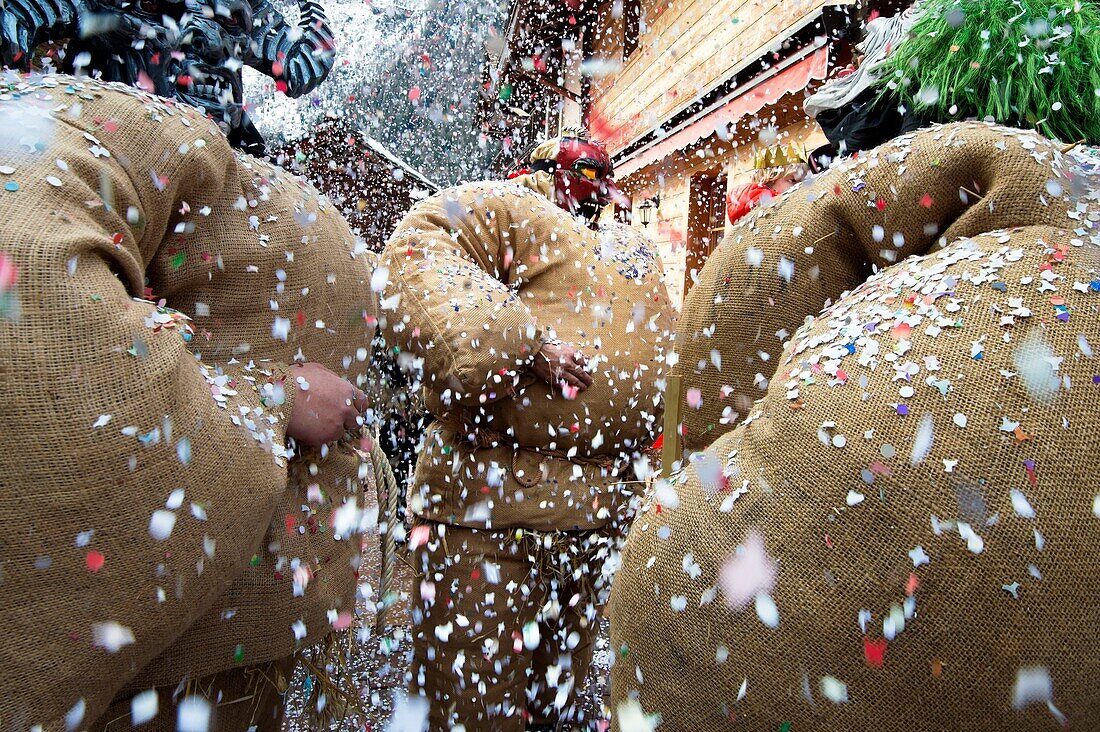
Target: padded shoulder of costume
{"points": [[488, 190]]}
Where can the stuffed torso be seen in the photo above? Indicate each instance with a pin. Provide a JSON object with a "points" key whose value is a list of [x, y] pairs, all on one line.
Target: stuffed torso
{"points": [[498, 267], [146, 453]]}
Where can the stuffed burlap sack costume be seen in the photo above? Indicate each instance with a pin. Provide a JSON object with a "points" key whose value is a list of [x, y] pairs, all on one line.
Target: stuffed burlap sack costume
{"points": [[901, 535], [785, 263], [520, 491], [479, 274], [154, 527]]}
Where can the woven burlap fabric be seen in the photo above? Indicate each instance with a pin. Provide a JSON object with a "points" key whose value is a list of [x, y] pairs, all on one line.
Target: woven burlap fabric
{"points": [[244, 698], [912, 586], [109, 416], [479, 274], [784, 263]]}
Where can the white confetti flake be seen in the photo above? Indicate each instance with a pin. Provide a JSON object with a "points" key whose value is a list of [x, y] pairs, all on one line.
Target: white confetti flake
{"points": [[346, 518], [75, 715], [767, 611], [864, 618], [1033, 685], [1021, 505], [854, 498], [280, 329], [299, 630], [175, 499], [632, 718], [111, 636], [103, 421], [1084, 346], [410, 714], [834, 690], [143, 707], [786, 269], [531, 636], [161, 524], [1037, 366], [922, 443], [974, 543], [379, 279], [919, 556], [678, 603], [193, 715], [928, 95]]}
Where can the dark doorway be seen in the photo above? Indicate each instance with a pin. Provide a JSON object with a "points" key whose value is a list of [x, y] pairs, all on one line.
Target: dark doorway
{"points": [[706, 221]]}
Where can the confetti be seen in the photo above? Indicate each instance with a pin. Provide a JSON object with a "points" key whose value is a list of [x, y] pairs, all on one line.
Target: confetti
{"points": [[748, 573], [922, 443], [143, 707], [94, 560], [111, 636], [193, 715], [1033, 685], [75, 715], [632, 718], [834, 690], [161, 524]]}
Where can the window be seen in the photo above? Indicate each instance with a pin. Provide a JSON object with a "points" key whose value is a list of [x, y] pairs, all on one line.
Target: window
{"points": [[632, 16]]}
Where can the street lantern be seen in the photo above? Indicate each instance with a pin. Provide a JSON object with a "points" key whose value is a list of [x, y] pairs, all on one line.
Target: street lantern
{"points": [[647, 208]]}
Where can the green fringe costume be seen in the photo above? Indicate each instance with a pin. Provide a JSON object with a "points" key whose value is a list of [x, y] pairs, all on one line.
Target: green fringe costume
{"points": [[1026, 63]]}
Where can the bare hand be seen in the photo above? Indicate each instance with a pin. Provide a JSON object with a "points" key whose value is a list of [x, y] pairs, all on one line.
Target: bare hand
{"points": [[562, 364], [325, 407]]}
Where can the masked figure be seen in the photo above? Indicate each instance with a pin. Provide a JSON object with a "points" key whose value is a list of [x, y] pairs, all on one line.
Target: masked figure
{"points": [[193, 51], [581, 172], [775, 170], [851, 110], [542, 343]]}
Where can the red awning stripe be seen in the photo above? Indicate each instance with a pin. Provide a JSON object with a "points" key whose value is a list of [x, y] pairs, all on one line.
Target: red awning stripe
{"points": [[767, 91]]}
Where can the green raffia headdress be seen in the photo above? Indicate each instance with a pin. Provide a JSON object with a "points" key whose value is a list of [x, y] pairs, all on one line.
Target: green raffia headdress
{"points": [[1026, 63]]}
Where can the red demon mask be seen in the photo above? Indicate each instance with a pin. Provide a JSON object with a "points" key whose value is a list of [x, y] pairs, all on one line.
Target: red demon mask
{"points": [[582, 178]]}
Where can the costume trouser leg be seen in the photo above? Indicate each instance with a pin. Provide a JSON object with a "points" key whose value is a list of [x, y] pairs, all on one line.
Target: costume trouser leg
{"points": [[503, 628], [568, 627], [240, 699]]}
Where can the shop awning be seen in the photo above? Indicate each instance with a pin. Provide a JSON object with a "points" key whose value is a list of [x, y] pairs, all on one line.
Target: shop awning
{"points": [[768, 88]]}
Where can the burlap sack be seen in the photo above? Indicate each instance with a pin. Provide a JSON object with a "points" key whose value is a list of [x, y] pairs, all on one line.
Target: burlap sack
{"points": [[902, 534], [478, 276], [144, 485], [787, 261]]}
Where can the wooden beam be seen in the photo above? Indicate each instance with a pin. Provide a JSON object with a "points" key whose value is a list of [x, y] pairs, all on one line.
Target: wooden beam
{"points": [[671, 451]]}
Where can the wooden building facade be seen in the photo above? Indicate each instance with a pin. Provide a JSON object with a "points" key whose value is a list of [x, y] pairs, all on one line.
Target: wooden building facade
{"points": [[681, 92]]}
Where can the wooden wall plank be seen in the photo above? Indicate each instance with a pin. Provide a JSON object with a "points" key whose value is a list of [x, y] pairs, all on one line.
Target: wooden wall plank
{"points": [[692, 46]]}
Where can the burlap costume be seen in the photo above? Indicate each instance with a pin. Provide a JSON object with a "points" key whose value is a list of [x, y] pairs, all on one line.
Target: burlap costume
{"points": [[155, 527], [478, 276], [782, 266], [901, 534]]}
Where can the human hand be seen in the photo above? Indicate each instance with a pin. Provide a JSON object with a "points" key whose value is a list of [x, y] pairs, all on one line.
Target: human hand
{"points": [[325, 407], [562, 364]]}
